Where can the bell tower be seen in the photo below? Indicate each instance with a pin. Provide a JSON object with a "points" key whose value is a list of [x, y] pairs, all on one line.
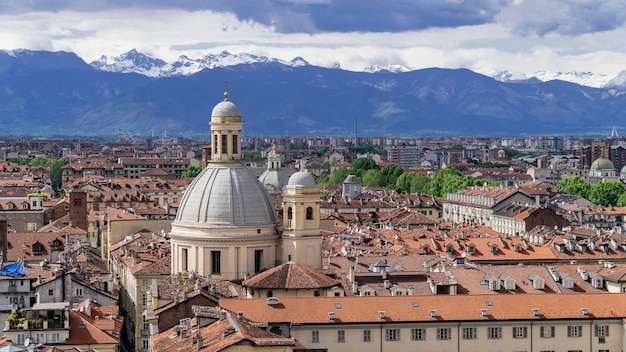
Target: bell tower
{"points": [[226, 128], [301, 221]]}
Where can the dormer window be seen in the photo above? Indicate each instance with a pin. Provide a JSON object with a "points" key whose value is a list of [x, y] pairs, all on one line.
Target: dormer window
{"points": [[10, 205], [24, 205], [37, 248]]}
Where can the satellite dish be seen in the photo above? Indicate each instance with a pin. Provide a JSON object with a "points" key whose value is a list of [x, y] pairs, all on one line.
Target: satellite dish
{"points": [[463, 255], [26, 342]]}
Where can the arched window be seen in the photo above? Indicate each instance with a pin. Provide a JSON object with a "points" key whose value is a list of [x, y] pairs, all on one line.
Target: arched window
{"points": [[309, 213], [289, 213], [269, 294]]}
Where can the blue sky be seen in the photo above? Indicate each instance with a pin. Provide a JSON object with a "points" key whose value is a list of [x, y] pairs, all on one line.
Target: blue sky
{"points": [[483, 35]]}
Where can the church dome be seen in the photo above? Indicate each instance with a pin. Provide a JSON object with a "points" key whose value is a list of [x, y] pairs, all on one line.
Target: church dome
{"points": [[602, 164], [225, 195], [623, 171], [274, 180], [226, 108], [301, 179]]}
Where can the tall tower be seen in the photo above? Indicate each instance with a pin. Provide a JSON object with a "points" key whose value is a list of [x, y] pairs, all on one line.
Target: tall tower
{"points": [[78, 209], [226, 127], [301, 221]]}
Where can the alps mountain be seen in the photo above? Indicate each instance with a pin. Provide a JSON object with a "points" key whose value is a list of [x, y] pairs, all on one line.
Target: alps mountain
{"points": [[45, 93], [136, 62]]}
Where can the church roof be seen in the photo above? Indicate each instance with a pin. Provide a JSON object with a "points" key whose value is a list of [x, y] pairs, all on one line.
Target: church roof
{"points": [[602, 163], [290, 276], [225, 195]]}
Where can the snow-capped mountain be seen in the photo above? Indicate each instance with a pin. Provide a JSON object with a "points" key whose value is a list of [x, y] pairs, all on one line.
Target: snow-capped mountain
{"points": [[589, 79], [136, 62], [618, 82]]}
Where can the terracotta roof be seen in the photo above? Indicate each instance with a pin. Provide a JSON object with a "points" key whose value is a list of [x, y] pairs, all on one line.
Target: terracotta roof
{"points": [[290, 276], [216, 337], [21, 245], [418, 308], [83, 331]]}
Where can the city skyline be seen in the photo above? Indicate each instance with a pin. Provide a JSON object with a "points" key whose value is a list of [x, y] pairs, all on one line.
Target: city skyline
{"points": [[485, 36]]}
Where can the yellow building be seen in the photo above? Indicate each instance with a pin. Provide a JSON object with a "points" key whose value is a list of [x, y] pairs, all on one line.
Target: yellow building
{"points": [[546, 322]]}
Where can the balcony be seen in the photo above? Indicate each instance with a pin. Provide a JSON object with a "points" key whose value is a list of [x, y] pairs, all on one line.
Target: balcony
{"points": [[42, 316]]}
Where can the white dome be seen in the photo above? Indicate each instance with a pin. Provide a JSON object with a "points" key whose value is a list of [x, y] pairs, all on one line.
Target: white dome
{"points": [[226, 108], [274, 180], [225, 195], [301, 179]]}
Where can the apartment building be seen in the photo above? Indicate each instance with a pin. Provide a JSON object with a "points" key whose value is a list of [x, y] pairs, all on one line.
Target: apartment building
{"points": [[549, 322]]}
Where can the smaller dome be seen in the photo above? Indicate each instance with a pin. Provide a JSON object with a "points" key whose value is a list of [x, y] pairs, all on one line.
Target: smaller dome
{"points": [[301, 179], [274, 180], [623, 171], [602, 164], [226, 108]]}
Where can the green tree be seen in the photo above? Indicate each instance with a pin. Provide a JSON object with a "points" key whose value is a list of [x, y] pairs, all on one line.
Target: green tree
{"points": [[450, 180], [191, 171], [338, 175], [606, 193], [391, 173], [373, 178], [403, 183], [574, 185], [360, 165], [56, 172], [326, 164], [420, 183], [621, 201], [322, 180], [439, 183]]}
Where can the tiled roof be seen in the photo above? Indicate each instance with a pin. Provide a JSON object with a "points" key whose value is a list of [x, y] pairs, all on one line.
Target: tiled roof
{"points": [[290, 276], [418, 308], [216, 337], [83, 331], [21, 245]]}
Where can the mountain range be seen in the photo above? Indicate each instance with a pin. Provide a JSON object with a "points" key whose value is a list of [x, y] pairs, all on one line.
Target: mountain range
{"points": [[57, 93]]}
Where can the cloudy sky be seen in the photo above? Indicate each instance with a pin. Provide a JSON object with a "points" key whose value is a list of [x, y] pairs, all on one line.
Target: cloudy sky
{"points": [[482, 35]]}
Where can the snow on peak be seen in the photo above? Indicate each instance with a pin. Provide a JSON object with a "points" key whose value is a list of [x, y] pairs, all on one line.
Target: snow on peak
{"points": [[134, 61], [589, 79], [390, 68], [618, 82]]}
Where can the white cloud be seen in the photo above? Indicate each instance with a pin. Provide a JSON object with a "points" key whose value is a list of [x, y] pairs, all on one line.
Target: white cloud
{"points": [[485, 48]]}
